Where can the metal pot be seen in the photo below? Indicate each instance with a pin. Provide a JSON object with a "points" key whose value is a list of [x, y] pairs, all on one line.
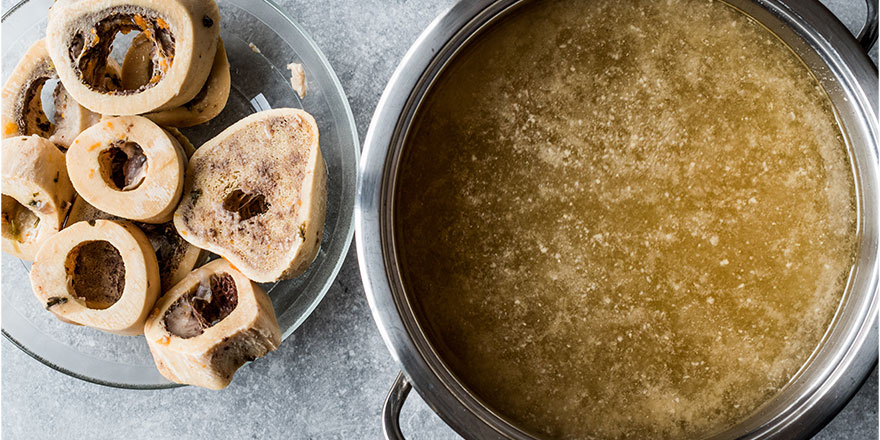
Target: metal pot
{"points": [[849, 350]]}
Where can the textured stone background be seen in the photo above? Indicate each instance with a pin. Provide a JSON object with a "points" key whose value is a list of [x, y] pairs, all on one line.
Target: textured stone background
{"points": [[328, 380]]}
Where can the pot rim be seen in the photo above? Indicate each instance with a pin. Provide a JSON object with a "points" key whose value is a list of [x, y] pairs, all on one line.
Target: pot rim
{"points": [[846, 355]]}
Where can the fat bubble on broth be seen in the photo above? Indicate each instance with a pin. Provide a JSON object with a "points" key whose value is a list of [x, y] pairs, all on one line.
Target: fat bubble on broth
{"points": [[625, 219]]}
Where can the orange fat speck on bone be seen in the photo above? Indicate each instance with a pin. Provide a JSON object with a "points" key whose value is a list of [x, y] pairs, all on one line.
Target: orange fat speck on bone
{"points": [[140, 22], [230, 263]]}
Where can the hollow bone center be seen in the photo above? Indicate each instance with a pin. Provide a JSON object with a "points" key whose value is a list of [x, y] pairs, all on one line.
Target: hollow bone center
{"points": [[96, 273], [124, 165]]}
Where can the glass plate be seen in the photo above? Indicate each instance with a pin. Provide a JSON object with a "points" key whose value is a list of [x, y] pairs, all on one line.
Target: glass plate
{"points": [[260, 41]]}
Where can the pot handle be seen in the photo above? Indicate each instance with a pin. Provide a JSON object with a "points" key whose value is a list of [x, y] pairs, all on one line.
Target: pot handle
{"points": [[391, 408], [868, 35]]}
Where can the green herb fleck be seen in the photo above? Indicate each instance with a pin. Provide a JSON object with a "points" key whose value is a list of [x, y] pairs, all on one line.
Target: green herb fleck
{"points": [[54, 301], [195, 194], [302, 231]]}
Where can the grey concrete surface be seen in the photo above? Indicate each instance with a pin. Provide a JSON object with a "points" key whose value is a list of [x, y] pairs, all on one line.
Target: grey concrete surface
{"points": [[328, 380]]}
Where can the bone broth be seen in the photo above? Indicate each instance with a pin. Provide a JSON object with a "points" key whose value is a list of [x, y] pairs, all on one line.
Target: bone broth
{"points": [[625, 219]]}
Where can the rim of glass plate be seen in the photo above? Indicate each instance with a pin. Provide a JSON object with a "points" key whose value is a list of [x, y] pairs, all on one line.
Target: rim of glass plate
{"points": [[349, 233]]}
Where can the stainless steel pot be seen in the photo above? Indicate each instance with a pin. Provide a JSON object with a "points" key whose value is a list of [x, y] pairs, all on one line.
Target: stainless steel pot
{"points": [[833, 374]]}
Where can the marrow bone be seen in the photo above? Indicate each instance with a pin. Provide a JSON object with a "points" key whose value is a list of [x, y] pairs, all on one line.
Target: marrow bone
{"points": [[209, 324]]}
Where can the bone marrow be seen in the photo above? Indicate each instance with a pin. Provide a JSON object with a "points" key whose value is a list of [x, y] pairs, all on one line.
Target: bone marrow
{"points": [[128, 167], [97, 273], [22, 106], [102, 274], [175, 256], [211, 301], [253, 184], [208, 325], [138, 64], [208, 102], [92, 52], [80, 36], [36, 194], [123, 165]]}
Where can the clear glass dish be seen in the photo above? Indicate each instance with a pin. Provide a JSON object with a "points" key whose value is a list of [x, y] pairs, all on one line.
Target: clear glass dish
{"points": [[260, 41]]}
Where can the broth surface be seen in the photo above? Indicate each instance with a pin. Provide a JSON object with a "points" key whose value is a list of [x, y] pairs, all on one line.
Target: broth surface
{"points": [[625, 219]]}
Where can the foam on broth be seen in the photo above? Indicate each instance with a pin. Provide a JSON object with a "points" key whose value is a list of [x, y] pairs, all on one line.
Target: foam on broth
{"points": [[626, 219]]}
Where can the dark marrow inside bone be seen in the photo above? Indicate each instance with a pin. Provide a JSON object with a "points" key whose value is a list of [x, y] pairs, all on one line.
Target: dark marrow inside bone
{"points": [[96, 273], [29, 108], [123, 165], [169, 247], [247, 205], [203, 307], [90, 47]]}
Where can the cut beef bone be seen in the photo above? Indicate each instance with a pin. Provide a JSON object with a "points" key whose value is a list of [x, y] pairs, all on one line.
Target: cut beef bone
{"points": [[22, 107], [256, 193], [183, 33], [208, 103], [102, 274], [36, 194], [128, 167], [209, 325]]}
